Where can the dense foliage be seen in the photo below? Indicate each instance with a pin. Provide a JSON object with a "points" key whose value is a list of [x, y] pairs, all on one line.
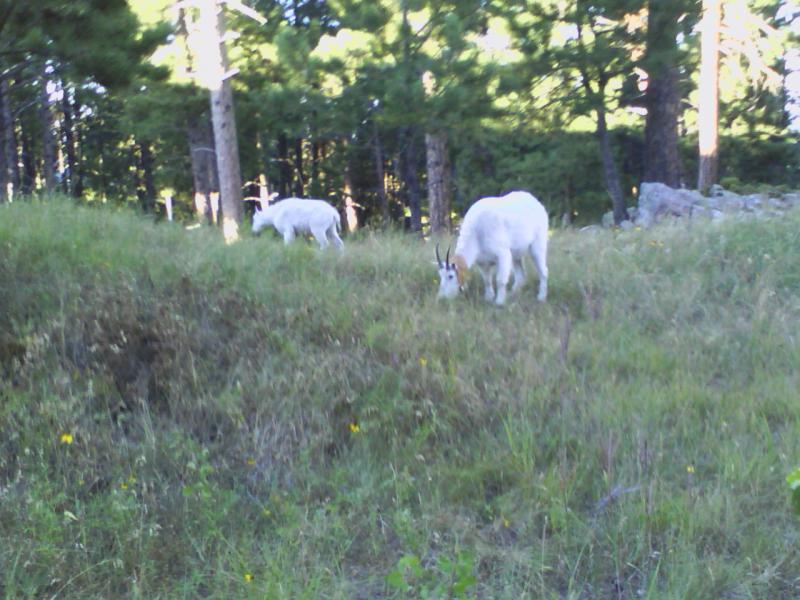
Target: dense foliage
{"points": [[335, 99]]}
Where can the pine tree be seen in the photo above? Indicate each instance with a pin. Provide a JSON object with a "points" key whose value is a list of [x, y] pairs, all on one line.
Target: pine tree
{"points": [[48, 135], [412, 41], [662, 61], [213, 69], [579, 70], [50, 47]]}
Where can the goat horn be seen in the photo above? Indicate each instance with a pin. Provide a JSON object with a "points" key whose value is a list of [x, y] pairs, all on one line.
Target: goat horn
{"points": [[438, 260], [447, 256]]}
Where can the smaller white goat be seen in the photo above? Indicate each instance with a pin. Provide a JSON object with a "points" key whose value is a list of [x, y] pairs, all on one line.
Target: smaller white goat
{"points": [[298, 216], [495, 234]]}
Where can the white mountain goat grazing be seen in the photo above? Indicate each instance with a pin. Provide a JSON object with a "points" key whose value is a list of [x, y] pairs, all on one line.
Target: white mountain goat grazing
{"points": [[294, 216], [496, 234]]}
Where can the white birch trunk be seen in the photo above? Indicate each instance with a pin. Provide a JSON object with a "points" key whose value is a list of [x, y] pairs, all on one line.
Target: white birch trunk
{"points": [[708, 110], [213, 66]]}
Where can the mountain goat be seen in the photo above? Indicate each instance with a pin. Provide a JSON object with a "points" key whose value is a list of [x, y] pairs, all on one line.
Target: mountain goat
{"points": [[294, 216], [495, 235]]}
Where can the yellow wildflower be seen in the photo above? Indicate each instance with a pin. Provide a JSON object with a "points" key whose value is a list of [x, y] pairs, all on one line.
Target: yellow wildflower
{"points": [[123, 485], [66, 438], [251, 461], [690, 469], [354, 427], [248, 577], [423, 362]]}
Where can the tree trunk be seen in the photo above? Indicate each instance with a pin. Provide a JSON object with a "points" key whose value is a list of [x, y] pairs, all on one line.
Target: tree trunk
{"points": [[101, 151], [662, 161], [610, 169], [204, 168], [438, 166], [299, 183], [136, 175], [11, 179], [263, 180], [4, 181], [6, 158], [315, 182], [77, 176], [200, 132], [69, 143], [284, 168], [350, 214], [213, 67], [9, 141], [381, 177], [662, 99], [410, 177], [146, 165], [48, 139], [708, 114], [263, 190], [28, 175], [409, 156]]}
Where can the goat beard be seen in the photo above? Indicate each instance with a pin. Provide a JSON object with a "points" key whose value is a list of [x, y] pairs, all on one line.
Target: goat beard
{"points": [[462, 271]]}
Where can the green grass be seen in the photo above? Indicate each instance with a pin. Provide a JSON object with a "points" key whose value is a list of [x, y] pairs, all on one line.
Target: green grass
{"points": [[257, 421]]}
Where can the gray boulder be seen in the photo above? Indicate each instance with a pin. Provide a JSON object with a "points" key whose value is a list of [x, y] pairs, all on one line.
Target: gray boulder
{"points": [[660, 200]]}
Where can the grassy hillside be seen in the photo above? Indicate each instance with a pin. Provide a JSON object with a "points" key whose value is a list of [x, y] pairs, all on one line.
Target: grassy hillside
{"points": [[181, 419]]}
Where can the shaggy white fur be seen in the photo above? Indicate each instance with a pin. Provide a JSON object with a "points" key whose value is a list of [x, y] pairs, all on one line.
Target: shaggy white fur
{"points": [[495, 235], [298, 216]]}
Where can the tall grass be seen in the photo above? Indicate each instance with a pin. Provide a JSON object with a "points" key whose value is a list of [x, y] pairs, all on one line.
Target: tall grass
{"points": [[182, 419]]}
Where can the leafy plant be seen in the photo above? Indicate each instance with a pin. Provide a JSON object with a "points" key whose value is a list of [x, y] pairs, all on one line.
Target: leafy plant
{"points": [[448, 578], [793, 479]]}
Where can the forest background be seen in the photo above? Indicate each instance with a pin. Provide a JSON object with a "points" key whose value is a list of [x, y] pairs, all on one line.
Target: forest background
{"points": [[398, 112], [181, 417]]}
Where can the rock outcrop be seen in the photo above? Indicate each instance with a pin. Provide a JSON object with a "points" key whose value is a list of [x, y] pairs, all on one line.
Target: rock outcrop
{"points": [[658, 202]]}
